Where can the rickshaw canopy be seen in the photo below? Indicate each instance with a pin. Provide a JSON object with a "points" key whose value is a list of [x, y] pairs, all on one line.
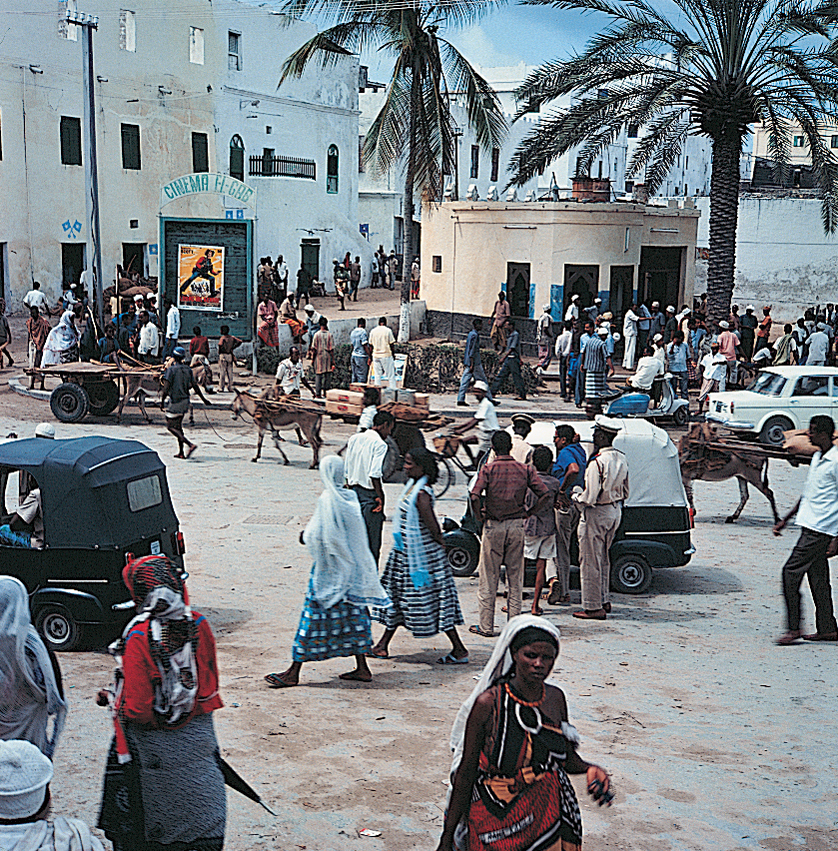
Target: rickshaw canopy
{"points": [[96, 492]]}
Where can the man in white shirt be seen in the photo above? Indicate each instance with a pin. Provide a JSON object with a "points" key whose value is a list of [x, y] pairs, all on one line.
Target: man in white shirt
{"points": [[817, 346], [149, 344], [572, 313], [485, 419], [648, 369], [291, 372], [713, 368], [630, 336], [564, 344], [281, 272], [35, 298], [87, 282], [817, 516], [364, 468], [544, 338], [172, 327], [29, 517], [383, 362]]}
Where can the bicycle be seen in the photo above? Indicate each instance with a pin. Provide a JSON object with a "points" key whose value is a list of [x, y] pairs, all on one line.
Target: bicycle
{"points": [[447, 447]]}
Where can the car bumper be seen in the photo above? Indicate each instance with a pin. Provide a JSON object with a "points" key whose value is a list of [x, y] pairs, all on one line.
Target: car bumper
{"points": [[736, 425]]}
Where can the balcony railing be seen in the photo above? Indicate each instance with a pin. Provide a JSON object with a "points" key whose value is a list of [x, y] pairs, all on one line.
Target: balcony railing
{"points": [[282, 167]]}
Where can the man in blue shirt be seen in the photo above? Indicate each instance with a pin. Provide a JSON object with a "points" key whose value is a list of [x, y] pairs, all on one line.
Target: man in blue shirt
{"points": [[579, 392], [510, 364], [472, 366], [569, 469], [676, 355], [361, 351]]}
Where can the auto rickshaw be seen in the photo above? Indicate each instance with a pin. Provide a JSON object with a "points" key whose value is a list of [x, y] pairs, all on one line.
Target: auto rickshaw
{"points": [[655, 528], [103, 501]]}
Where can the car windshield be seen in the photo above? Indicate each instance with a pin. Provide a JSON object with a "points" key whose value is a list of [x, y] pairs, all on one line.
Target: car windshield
{"points": [[768, 384]]}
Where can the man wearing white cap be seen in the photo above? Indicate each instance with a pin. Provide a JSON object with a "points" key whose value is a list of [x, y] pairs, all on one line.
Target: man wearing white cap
{"points": [[25, 803], [713, 368], [630, 328], [572, 313], [658, 320], [544, 337], [748, 328], [671, 325], [728, 341], [601, 506], [817, 346], [485, 420], [593, 310]]}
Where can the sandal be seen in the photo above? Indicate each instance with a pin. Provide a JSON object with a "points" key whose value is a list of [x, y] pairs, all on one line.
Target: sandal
{"points": [[451, 659], [475, 629], [276, 681], [371, 654]]}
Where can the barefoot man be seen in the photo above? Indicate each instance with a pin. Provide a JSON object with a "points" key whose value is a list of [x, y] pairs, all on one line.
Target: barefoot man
{"points": [[178, 380]]}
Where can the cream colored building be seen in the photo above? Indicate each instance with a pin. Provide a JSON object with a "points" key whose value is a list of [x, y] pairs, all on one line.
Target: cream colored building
{"points": [[541, 253]]}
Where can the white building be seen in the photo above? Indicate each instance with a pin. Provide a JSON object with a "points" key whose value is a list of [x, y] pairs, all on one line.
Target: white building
{"points": [[174, 94]]}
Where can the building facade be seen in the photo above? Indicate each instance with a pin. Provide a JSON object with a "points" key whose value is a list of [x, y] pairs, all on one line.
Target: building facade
{"points": [[174, 95]]}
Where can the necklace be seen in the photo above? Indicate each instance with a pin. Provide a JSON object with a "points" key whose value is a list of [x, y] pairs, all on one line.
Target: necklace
{"points": [[517, 699]]}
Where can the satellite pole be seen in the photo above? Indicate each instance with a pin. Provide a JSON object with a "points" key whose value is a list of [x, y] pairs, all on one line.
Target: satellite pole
{"points": [[89, 23]]}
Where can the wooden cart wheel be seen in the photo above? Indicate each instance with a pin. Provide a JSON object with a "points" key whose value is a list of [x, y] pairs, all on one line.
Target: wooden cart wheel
{"points": [[104, 397], [69, 402]]}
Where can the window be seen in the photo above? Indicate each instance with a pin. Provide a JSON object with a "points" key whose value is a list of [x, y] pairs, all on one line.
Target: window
{"points": [[332, 170], [495, 164], [234, 51], [70, 140], [475, 161], [127, 31], [144, 493], [686, 190], [812, 385], [237, 157], [797, 141], [833, 142], [632, 131], [268, 162], [436, 263], [200, 152], [629, 188], [599, 169], [196, 45], [131, 146], [686, 162]]}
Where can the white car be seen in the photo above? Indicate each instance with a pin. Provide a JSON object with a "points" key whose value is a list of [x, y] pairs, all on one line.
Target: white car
{"points": [[780, 398]]}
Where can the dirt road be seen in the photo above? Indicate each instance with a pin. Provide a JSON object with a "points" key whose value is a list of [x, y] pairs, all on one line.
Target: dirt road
{"points": [[716, 738]]}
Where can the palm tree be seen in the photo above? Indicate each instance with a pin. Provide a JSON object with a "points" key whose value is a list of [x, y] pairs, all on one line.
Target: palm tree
{"points": [[712, 68], [414, 129]]}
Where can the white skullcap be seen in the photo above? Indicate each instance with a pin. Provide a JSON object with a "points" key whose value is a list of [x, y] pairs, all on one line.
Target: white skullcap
{"points": [[24, 775]]}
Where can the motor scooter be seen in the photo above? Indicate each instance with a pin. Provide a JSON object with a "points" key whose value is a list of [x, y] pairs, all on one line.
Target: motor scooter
{"points": [[638, 403]]}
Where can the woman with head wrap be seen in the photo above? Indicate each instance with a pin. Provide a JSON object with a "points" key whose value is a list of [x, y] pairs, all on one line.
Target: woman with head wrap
{"points": [[417, 577], [344, 580], [513, 749], [30, 679], [62, 345], [163, 782], [5, 335]]}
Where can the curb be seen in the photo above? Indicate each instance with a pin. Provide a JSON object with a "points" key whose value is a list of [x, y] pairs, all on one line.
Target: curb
{"points": [[40, 395]]}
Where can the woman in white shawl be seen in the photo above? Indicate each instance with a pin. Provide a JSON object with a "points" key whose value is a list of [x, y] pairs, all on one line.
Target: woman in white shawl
{"points": [[513, 750], [30, 680], [344, 580], [62, 345]]}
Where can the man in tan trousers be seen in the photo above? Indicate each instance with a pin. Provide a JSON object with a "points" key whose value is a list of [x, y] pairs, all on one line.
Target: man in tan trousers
{"points": [[601, 505], [505, 482]]}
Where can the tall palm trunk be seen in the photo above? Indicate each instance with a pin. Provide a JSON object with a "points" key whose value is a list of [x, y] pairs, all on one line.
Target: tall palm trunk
{"points": [[724, 213], [407, 207]]}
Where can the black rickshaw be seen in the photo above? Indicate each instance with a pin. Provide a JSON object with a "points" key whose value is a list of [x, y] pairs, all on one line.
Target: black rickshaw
{"points": [[103, 500]]}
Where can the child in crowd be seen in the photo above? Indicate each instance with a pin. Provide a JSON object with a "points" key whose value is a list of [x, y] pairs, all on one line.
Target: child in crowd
{"points": [[227, 344], [372, 398], [37, 330], [199, 356], [540, 529]]}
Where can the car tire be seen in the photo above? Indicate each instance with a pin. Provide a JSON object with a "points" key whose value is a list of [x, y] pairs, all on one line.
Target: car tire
{"points": [[681, 416], [772, 432], [463, 556], [69, 402], [58, 628], [631, 574]]}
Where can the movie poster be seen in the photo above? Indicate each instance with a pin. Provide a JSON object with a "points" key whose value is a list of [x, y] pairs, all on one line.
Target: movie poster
{"points": [[201, 277]]}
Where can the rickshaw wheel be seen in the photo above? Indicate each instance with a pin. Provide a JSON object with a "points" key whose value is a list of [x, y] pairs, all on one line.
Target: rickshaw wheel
{"points": [[631, 574], [58, 627], [103, 396], [69, 402]]}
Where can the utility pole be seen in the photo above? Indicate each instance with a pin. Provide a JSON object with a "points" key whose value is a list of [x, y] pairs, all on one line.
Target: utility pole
{"points": [[88, 24]]}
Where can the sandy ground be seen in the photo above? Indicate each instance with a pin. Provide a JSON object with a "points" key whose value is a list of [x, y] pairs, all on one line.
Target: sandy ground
{"points": [[716, 738]]}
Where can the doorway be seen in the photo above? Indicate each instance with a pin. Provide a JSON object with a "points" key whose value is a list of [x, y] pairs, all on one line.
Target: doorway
{"points": [[133, 258], [582, 281], [72, 261], [518, 288], [622, 290], [310, 257], [660, 276]]}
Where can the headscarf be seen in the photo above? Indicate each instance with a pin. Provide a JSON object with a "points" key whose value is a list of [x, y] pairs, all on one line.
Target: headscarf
{"points": [[336, 537], [62, 338], [416, 562], [29, 692], [498, 666], [162, 600]]}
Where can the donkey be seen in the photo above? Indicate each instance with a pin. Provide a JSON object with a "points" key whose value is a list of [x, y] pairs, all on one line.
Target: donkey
{"points": [[712, 464], [275, 415]]}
